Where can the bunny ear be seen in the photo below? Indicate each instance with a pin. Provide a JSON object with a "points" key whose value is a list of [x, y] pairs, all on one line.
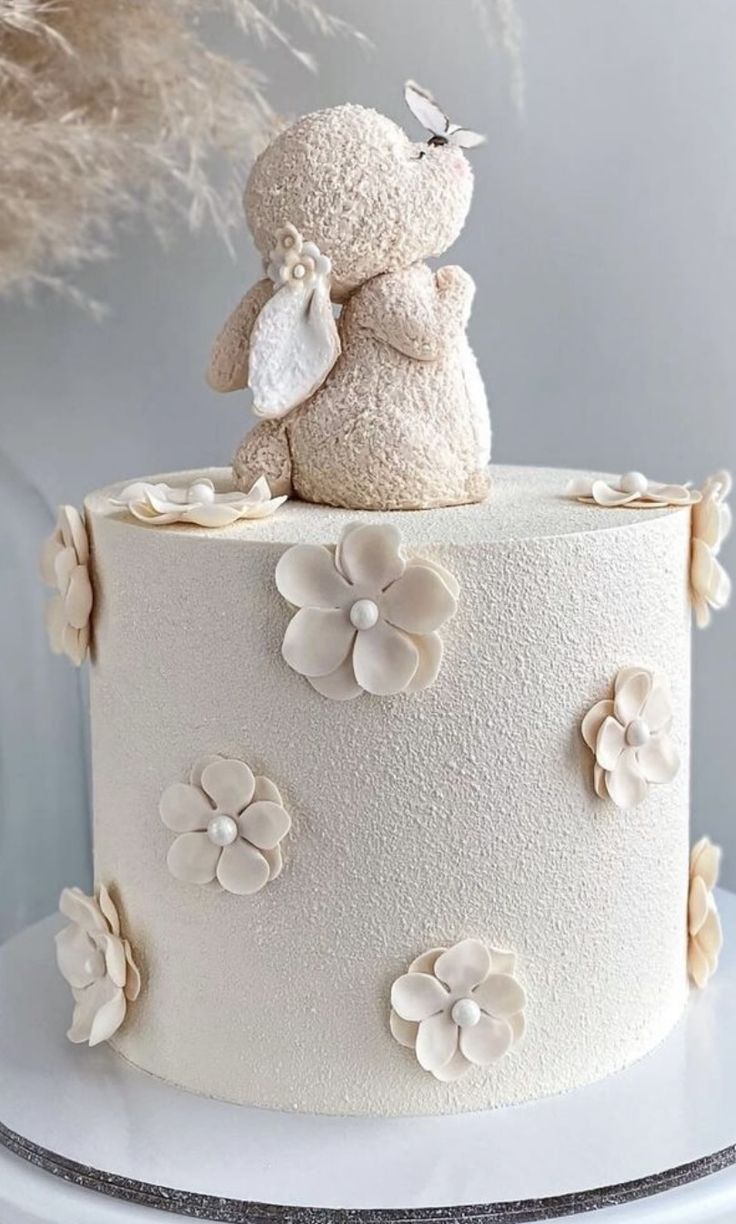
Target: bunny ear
{"points": [[465, 139], [424, 108], [293, 346]]}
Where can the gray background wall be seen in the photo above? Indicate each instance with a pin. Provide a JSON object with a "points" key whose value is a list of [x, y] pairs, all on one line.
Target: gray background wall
{"points": [[602, 240]]}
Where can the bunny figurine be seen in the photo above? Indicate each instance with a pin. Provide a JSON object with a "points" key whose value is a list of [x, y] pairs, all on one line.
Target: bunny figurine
{"points": [[382, 408]]}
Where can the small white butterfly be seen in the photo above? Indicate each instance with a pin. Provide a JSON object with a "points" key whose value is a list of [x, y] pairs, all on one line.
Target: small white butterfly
{"points": [[424, 108]]}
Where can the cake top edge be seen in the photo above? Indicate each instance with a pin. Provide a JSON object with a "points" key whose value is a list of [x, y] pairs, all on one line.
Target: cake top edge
{"points": [[525, 503]]}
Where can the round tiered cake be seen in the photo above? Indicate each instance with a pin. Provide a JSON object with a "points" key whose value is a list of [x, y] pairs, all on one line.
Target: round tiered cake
{"points": [[471, 816]]}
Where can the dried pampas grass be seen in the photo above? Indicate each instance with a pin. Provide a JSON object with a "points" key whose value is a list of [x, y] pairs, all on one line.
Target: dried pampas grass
{"points": [[111, 107]]}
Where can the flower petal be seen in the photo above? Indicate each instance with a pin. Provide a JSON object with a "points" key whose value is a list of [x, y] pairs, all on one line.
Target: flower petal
{"points": [[610, 743], [266, 789], [275, 861], [502, 961], [710, 935], [64, 566], [631, 694], [74, 532], [74, 644], [78, 599], [457, 1066], [486, 1041], [599, 782], [657, 709], [594, 720], [264, 824], [464, 966], [242, 869], [370, 556], [109, 910], [115, 962], [658, 759], [605, 495], [340, 685], [426, 961], [133, 979], [404, 1031], [517, 1025], [417, 996], [184, 808], [51, 547], [449, 579], [108, 1018], [697, 905], [80, 961], [626, 784], [307, 577], [697, 965], [436, 1041], [705, 861], [229, 784], [199, 766], [83, 910], [500, 995], [418, 602], [193, 858], [385, 660], [317, 641], [430, 650]]}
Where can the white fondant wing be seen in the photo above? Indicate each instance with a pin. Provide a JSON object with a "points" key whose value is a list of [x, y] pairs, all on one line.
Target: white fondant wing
{"points": [[424, 108], [293, 346]]}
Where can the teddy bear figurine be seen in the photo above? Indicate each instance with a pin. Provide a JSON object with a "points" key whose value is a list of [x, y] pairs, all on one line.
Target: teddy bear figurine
{"points": [[383, 407]]}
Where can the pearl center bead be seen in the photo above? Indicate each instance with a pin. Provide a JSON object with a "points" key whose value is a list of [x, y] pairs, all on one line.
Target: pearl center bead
{"points": [[364, 614], [222, 830], [634, 482], [299, 272], [465, 1013], [637, 733], [201, 494]]}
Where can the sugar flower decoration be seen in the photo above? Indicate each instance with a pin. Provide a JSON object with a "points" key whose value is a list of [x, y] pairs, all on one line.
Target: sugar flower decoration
{"points": [[65, 568], [97, 962], [630, 738], [199, 504], [458, 1007], [293, 259], [632, 490], [710, 585], [368, 616], [230, 826], [705, 937]]}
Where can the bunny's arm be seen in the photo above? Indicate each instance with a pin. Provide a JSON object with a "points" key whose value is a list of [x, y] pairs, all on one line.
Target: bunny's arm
{"points": [[228, 368], [416, 311]]}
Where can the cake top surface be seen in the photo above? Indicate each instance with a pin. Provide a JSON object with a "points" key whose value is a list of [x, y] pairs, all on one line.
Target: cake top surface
{"points": [[525, 503]]}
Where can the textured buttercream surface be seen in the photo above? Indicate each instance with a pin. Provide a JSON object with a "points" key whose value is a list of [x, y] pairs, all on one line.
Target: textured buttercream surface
{"points": [[417, 820]]}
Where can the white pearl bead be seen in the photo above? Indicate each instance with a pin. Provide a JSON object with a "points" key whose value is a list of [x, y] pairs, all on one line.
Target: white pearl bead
{"points": [[465, 1013], [201, 493], [634, 482], [222, 830], [299, 272], [364, 614], [637, 733]]}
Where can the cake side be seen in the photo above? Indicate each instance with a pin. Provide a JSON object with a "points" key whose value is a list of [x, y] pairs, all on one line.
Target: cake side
{"points": [[466, 811]]}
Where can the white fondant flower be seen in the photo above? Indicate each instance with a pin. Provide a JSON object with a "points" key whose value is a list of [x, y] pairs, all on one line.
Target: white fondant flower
{"points": [[633, 490], [230, 824], [97, 962], [293, 259], [710, 586], [630, 737], [65, 567], [367, 618], [199, 504], [705, 937], [458, 1007]]}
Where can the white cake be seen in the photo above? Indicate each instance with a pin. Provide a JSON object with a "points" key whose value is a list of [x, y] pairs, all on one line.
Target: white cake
{"points": [[466, 810], [390, 800]]}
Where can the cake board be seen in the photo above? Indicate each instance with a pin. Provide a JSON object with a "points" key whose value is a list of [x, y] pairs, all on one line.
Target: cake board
{"points": [[668, 1123]]}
